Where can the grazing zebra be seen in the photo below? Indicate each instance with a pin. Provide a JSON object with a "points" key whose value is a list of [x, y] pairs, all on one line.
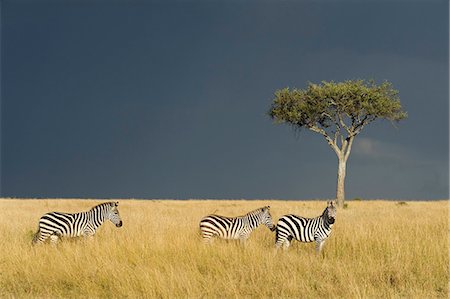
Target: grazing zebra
{"points": [[235, 227], [55, 224], [305, 229]]}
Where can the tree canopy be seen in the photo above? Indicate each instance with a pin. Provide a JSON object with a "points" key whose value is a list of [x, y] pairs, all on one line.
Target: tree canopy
{"points": [[329, 107], [338, 111]]}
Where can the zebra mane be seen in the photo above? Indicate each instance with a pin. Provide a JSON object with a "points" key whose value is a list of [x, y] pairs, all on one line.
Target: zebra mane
{"points": [[325, 212], [109, 203], [259, 210]]}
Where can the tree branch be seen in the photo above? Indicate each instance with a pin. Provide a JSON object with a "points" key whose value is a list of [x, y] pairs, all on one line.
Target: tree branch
{"points": [[349, 147], [355, 130], [330, 141], [342, 123], [343, 144]]}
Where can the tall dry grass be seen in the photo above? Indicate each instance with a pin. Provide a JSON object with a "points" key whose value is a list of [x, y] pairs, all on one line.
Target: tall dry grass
{"points": [[378, 249]]}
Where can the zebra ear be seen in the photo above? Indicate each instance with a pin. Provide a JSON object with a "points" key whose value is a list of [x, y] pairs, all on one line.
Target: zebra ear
{"points": [[116, 204]]}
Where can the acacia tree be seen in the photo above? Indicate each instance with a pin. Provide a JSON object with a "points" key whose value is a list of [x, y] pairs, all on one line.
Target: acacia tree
{"points": [[339, 112]]}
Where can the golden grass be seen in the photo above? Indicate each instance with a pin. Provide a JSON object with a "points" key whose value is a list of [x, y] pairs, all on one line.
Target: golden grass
{"points": [[378, 249]]}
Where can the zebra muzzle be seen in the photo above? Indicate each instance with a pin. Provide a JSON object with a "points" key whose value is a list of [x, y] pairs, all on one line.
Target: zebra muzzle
{"points": [[119, 224]]}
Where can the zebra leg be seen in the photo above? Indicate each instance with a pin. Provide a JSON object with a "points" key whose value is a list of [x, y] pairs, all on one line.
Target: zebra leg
{"points": [[286, 244], [88, 233], [319, 245], [37, 237], [54, 239], [207, 238], [40, 237], [243, 239], [207, 235], [282, 240], [87, 236], [278, 242], [277, 239]]}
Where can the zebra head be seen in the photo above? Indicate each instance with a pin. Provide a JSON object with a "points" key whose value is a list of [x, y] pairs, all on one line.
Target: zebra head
{"points": [[267, 218], [114, 215], [330, 212]]}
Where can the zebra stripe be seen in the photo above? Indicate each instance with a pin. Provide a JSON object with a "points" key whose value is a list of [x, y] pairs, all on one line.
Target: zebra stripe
{"points": [[305, 229], [56, 224], [235, 227]]}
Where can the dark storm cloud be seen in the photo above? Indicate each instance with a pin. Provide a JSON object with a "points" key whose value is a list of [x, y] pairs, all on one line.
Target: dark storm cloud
{"points": [[168, 99]]}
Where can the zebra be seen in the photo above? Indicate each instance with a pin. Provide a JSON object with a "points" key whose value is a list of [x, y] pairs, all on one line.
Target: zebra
{"points": [[235, 227], [56, 224], [305, 229]]}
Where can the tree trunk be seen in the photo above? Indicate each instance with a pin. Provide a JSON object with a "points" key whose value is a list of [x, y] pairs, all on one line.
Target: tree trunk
{"points": [[340, 191]]}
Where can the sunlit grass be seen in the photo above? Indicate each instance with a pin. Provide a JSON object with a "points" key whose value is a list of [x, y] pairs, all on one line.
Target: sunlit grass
{"points": [[378, 249]]}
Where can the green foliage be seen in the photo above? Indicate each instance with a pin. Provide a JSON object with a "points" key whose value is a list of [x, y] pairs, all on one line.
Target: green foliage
{"points": [[337, 111], [350, 104]]}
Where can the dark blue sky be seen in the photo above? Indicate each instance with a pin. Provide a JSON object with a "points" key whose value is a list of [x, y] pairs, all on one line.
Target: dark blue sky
{"points": [[168, 99]]}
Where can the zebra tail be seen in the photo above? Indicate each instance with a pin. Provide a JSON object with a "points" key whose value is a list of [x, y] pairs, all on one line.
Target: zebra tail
{"points": [[36, 237], [276, 237]]}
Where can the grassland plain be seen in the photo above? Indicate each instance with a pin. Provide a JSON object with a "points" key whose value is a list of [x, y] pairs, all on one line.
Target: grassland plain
{"points": [[378, 249]]}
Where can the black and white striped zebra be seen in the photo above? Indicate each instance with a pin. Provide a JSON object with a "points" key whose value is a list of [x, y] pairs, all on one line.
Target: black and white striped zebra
{"points": [[235, 227], [56, 224], [305, 229]]}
